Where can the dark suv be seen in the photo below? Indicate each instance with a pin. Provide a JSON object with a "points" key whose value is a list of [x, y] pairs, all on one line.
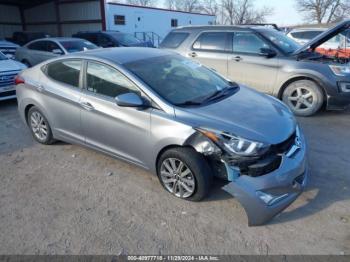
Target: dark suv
{"points": [[271, 62], [112, 39]]}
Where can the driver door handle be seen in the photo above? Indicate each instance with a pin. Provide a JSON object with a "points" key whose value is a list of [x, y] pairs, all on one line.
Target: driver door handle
{"points": [[192, 54], [237, 58], [87, 106]]}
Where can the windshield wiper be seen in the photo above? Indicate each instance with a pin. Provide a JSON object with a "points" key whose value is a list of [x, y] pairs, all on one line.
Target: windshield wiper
{"points": [[189, 103], [220, 93]]}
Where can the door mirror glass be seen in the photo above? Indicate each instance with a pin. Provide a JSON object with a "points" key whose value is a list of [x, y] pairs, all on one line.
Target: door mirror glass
{"points": [[57, 52], [267, 52], [130, 100]]}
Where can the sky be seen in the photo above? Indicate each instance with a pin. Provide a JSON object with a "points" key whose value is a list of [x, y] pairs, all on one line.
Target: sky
{"points": [[285, 12]]}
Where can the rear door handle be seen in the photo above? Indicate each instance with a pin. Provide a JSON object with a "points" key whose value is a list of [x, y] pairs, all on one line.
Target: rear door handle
{"points": [[237, 58], [87, 106], [192, 54]]}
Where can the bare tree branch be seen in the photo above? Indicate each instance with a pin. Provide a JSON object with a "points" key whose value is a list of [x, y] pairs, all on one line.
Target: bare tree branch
{"points": [[244, 12], [142, 2], [324, 11]]}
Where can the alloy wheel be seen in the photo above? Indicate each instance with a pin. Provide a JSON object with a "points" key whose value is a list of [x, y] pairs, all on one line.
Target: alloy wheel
{"points": [[177, 178], [39, 126], [301, 98]]}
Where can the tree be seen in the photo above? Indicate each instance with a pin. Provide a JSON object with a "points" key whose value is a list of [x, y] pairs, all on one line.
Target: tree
{"points": [[324, 11], [142, 2], [210, 7], [170, 4], [244, 12]]}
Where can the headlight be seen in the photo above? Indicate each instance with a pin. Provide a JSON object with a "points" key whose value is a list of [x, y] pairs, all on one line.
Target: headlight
{"points": [[340, 70], [234, 144]]}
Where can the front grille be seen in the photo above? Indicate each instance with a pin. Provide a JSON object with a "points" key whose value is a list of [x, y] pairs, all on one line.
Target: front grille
{"points": [[300, 179], [262, 166], [267, 163], [7, 93], [7, 80]]}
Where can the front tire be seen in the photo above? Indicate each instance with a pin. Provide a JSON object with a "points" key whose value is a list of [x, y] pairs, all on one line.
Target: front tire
{"points": [[39, 126], [303, 97], [184, 173]]}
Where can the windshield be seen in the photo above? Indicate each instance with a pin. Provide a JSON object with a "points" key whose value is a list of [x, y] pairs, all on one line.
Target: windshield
{"points": [[77, 46], [177, 79], [3, 57], [286, 44], [126, 39]]}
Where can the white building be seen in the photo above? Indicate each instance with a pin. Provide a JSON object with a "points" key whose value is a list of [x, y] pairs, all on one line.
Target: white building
{"points": [[66, 17], [137, 19]]}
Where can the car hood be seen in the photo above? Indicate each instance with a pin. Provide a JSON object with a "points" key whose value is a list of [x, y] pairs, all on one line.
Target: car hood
{"points": [[11, 65], [7, 44], [141, 44], [324, 37], [247, 114]]}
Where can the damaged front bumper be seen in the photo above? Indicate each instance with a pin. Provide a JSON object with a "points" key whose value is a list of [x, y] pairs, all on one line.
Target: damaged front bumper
{"points": [[265, 196]]}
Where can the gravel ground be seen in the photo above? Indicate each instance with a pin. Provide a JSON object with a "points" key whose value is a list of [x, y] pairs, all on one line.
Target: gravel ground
{"points": [[62, 199]]}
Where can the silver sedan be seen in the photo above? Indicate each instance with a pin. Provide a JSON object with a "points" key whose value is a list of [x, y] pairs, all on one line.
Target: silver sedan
{"points": [[174, 117], [41, 50]]}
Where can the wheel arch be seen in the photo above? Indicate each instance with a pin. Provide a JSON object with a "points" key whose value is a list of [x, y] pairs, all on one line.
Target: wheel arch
{"points": [[168, 147], [302, 77], [26, 110]]}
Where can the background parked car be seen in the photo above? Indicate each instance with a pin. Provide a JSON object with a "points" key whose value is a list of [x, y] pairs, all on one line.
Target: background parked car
{"points": [[337, 46], [112, 39], [8, 48], [304, 35], [8, 70], [21, 38], [40, 50], [271, 62]]}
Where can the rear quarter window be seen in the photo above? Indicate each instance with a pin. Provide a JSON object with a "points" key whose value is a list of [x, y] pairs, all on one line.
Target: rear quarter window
{"points": [[174, 40], [67, 72]]}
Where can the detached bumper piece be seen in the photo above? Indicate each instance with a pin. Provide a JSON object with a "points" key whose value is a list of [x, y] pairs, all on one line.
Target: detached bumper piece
{"points": [[263, 197]]}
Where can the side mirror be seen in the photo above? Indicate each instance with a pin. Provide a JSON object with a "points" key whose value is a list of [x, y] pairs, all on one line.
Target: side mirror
{"points": [[130, 100], [57, 52], [267, 52]]}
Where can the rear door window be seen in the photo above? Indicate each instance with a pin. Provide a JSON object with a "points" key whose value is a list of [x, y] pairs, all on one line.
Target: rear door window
{"points": [[211, 41], [38, 46], [67, 72], [174, 40]]}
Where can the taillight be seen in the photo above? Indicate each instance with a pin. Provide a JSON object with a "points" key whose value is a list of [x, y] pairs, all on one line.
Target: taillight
{"points": [[19, 80]]}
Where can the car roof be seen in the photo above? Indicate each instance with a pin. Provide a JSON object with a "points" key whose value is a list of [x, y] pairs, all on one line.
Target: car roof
{"points": [[308, 29], [99, 32], [122, 55], [221, 27]]}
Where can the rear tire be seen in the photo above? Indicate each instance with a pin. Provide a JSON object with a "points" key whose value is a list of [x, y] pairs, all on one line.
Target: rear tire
{"points": [[184, 173], [303, 97], [39, 126]]}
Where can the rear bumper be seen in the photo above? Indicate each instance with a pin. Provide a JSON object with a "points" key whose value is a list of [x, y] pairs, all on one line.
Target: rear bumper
{"points": [[282, 186]]}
